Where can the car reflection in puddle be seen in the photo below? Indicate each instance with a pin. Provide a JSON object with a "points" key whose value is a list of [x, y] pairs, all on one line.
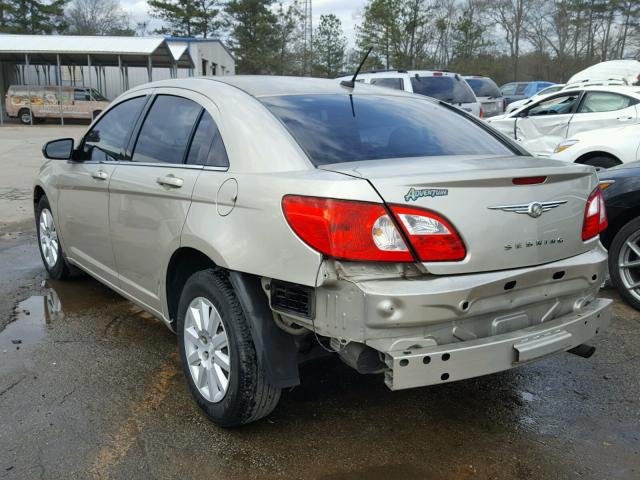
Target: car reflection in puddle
{"points": [[32, 317]]}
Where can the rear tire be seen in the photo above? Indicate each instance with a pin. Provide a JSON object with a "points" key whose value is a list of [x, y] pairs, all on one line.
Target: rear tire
{"points": [[24, 115], [602, 162], [219, 358], [49, 244], [620, 253]]}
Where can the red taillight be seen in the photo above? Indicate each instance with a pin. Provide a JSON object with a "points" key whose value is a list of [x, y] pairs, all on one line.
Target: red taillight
{"points": [[346, 229], [481, 112], [365, 231], [529, 180], [433, 238], [437, 74], [595, 216]]}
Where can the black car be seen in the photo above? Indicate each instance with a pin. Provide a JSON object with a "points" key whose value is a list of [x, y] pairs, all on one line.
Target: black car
{"points": [[621, 190]]}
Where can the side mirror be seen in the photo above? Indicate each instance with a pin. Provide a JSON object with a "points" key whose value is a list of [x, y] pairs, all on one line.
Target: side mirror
{"points": [[523, 114], [58, 149]]}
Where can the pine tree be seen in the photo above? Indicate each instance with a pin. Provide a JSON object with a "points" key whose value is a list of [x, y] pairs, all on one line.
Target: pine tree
{"points": [[254, 35], [187, 18], [32, 16], [329, 45]]}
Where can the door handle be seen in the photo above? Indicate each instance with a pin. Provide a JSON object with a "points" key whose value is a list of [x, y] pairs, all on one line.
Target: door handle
{"points": [[100, 175], [622, 119], [170, 181]]}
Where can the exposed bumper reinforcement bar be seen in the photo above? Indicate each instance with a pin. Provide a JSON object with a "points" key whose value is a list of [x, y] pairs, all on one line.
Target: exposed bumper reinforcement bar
{"points": [[457, 361]]}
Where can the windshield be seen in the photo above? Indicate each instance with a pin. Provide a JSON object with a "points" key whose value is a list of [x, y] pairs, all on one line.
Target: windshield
{"points": [[448, 89], [96, 95], [484, 87], [349, 128]]}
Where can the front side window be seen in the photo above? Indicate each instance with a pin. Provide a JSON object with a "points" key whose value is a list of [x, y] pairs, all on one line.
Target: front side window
{"points": [[207, 147], [80, 95], [520, 88], [448, 89], [395, 83], [106, 140], [561, 104], [508, 89], [166, 130], [604, 102], [349, 128]]}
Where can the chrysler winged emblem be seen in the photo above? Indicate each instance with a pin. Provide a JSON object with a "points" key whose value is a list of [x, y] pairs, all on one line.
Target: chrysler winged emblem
{"points": [[533, 209]]}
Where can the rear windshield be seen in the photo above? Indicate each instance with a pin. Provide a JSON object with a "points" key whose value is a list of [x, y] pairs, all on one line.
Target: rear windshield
{"points": [[448, 89], [349, 128], [484, 87]]}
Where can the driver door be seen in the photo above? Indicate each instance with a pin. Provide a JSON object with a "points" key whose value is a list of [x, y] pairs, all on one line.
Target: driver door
{"points": [[546, 123], [83, 201]]}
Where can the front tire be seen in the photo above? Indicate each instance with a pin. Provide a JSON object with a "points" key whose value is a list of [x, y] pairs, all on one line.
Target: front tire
{"points": [[49, 243], [624, 262], [219, 358]]}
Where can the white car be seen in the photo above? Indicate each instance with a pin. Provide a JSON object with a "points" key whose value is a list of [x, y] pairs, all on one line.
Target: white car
{"points": [[545, 123], [513, 106], [605, 148], [442, 85], [626, 70]]}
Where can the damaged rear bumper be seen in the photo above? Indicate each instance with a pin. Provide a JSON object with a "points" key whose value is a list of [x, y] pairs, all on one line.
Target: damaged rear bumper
{"points": [[473, 358]]}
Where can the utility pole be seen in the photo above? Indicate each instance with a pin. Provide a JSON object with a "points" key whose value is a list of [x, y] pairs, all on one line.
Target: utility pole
{"points": [[308, 37]]}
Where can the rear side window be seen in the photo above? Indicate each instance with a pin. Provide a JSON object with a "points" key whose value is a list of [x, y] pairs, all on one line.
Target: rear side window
{"points": [[604, 102], [165, 134], [348, 128], [448, 89], [484, 87], [520, 88], [207, 147], [106, 140], [395, 83]]}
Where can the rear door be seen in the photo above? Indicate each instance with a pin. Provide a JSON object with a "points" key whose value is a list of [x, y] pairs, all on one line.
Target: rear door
{"points": [[546, 122], [150, 194], [603, 110]]}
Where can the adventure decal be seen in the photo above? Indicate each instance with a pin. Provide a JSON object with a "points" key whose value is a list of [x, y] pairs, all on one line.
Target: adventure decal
{"points": [[415, 194]]}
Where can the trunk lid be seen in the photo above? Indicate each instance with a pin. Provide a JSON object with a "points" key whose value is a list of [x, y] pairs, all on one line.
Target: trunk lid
{"points": [[478, 196]]}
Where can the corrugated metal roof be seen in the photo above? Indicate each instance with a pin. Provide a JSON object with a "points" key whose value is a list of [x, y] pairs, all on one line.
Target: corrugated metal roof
{"points": [[79, 44]]}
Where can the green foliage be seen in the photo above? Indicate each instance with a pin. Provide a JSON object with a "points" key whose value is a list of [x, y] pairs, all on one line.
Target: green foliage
{"points": [[329, 45], [254, 35], [32, 16], [187, 18]]}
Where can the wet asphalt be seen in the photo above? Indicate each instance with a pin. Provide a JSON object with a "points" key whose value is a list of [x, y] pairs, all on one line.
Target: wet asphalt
{"points": [[90, 387]]}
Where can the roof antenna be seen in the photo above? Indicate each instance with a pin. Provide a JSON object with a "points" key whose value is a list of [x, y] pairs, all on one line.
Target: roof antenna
{"points": [[352, 83]]}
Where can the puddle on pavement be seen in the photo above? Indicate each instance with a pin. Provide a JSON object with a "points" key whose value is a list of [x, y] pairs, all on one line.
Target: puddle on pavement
{"points": [[32, 317]]}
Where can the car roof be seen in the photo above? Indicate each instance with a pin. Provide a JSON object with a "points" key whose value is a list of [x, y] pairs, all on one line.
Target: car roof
{"points": [[624, 89], [271, 85]]}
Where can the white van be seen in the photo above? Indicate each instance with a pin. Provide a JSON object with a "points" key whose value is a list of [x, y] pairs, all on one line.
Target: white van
{"points": [[43, 101], [440, 84]]}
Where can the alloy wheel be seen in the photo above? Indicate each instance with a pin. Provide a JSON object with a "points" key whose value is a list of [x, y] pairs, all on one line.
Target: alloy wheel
{"points": [[629, 264], [207, 349], [48, 238]]}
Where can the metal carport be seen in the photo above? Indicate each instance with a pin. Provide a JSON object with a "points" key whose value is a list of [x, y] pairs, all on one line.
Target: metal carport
{"points": [[96, 53]]}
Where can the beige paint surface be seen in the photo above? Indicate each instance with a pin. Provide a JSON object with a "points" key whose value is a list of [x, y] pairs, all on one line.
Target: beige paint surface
{"points": [[20, 159]]}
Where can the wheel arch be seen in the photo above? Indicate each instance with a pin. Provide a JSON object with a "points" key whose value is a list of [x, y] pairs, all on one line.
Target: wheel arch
{"points": [[277, 350], [38, 193], [596, 153], [616, 224]]}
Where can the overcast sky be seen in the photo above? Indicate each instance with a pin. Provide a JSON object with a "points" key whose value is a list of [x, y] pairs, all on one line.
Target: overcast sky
{"points": [[347, 10]]}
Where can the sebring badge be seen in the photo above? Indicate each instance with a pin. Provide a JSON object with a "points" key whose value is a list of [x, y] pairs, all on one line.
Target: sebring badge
{"points": [[533, 209]]}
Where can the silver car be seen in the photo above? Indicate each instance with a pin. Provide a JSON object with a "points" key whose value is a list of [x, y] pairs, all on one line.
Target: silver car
{"points": [[271, 220]]}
